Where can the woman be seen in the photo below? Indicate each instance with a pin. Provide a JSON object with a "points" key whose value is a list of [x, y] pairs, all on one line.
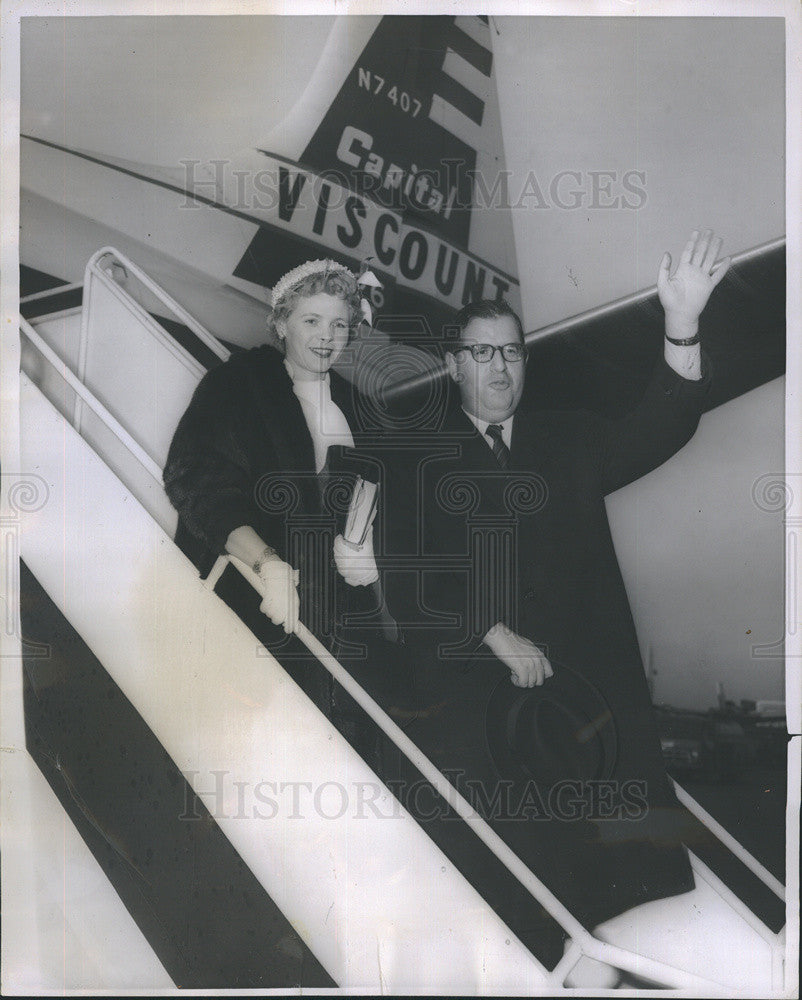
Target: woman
{"points": [[261, 467]]}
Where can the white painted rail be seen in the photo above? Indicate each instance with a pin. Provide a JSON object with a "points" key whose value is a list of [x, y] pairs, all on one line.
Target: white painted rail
{"points": [[581, 942]]}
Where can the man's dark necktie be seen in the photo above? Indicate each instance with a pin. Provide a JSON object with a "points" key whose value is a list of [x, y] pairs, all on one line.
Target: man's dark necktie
{"points": [[500, 450]]}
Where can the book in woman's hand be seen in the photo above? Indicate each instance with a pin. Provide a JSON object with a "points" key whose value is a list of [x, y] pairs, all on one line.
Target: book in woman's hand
{"points": [[361, 511]]}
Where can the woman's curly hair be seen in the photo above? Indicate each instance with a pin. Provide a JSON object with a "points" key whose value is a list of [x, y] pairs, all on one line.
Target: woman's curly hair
{"points": [[333, 283]]}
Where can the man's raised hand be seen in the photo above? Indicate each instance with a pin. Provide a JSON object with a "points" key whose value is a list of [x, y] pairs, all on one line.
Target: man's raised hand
{"points": [[684, 294]]}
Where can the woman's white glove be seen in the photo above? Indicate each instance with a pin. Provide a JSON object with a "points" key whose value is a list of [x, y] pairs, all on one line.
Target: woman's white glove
{"points": [[356, 564], [280, 593]]}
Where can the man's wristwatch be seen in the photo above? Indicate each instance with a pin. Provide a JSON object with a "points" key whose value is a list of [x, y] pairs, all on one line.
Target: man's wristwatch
{"points": [[687, 342]]}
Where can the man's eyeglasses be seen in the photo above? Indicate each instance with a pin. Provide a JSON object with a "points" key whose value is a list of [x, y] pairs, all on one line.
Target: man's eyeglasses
{"points": [[484, 353]]}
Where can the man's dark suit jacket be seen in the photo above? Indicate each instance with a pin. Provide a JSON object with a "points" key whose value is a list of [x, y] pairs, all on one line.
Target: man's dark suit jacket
{"points": [[541, 557]]}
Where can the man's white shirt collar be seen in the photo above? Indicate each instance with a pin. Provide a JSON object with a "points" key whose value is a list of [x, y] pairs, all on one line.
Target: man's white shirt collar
{"points": [[482, 425]]}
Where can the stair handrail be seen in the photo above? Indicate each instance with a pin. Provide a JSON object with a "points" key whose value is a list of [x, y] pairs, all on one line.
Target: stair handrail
{"points": [[581, 941], [95, 268]]}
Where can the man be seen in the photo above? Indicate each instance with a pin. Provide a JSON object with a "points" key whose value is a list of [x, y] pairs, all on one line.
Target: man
{"points": [[518, 557], [488, 366]]}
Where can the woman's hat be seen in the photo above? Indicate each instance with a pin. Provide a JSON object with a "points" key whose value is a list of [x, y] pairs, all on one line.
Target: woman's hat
{"points": [[365, 279], [563, 729], [287, 281]]}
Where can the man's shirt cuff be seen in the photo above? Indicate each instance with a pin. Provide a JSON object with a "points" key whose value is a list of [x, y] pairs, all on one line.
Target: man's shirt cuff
{"points": [[686, 361]]}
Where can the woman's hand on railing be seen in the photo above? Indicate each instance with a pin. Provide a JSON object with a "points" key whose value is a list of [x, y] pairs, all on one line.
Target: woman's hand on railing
{"points": [[275, 580], [280, 593]]}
